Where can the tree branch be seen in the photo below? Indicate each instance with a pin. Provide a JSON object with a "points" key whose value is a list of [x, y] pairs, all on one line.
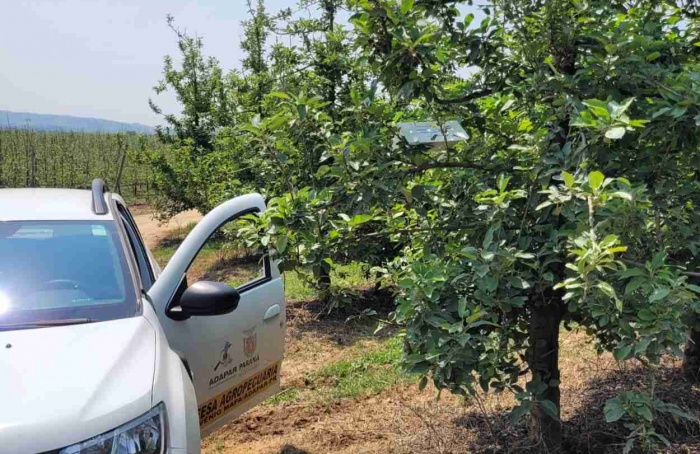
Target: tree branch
{"points": [[445, 165], [362, 236], [642, 265], [466, 98]]}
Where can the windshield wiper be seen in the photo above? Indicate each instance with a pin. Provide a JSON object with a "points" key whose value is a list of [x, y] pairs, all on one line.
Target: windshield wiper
{"points": [[44, 323]]}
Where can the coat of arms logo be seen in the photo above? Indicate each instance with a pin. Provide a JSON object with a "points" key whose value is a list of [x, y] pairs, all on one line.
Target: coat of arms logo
{"points": [[250, 342]]}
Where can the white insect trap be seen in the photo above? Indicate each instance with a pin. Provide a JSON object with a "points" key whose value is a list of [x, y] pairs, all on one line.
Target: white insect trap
{"points": [[429, 133]]}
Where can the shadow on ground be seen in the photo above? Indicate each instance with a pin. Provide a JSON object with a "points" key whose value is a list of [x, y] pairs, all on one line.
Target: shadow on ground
{"points": [[348, 324], [585, 430], [291, 449]]}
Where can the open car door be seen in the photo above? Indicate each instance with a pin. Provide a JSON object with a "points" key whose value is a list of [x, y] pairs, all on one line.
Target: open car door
{"points": [[234, 351]]}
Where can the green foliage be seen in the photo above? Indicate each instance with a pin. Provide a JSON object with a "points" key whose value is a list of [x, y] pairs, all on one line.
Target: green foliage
{"points": [[638, 409], [72, 160], [574, 198]]}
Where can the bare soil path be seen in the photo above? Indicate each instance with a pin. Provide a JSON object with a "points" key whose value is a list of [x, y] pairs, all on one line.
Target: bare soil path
{"points": [[153, 231]]}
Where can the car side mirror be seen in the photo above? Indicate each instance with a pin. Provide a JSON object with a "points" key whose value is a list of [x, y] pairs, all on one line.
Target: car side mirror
{"points": [[208, 298]]}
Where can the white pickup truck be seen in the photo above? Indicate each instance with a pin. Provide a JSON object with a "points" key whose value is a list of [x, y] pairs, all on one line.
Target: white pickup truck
{"points": [[102, 352]]}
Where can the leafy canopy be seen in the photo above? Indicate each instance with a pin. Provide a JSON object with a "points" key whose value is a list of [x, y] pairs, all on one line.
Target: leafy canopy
{"points": [[572, 201]]}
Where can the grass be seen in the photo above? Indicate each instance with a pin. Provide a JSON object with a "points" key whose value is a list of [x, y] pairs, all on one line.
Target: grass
{"points": [[352, 275], [169, 245], [162, 254], [288, 395], [366, 375]]}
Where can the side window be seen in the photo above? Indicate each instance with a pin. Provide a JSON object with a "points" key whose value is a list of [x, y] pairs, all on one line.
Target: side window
{"points": [[225, 258], [137, 248]]}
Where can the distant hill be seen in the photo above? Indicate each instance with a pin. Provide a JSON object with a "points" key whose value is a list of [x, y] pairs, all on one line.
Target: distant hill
{"points": [[46, 122]]}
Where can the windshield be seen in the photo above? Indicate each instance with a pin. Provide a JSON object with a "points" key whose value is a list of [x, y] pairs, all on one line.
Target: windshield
{"points": [[63, 270]]}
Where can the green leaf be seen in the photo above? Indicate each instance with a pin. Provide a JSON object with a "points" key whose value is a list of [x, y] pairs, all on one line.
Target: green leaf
{"points": [[615, 133], [462, 307], [645, 412], [622, 107], [468, 19], [251, 129], [502, 182], [301, 110], [618, 304], [525, 125], [281, 244], [549, 408], [489, 283], [406, 6], [678, 111], [621, 353], [360, 219], [623, 195], [488, 238], [568, 179], [417, 191], [646, 315], [613, 410], [598, 108], [518, 282], [423, 383], [424, 37], [279, 94], [595, 179], [525, 408], [653, 56], [507, 105], [658, 259], [660, 112], [659, 293], [406, 283], [607, 289], [543, 205], [634, 284]]}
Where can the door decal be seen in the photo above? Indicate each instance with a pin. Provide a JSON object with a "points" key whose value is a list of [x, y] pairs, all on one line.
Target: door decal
{"points": [[228, 400], [225, 358], [225, 368]]}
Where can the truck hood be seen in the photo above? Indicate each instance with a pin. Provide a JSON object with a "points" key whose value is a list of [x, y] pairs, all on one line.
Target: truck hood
{"points": [[62, 385]]}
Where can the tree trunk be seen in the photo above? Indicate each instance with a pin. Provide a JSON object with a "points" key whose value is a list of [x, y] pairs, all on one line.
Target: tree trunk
{"points": [[543, 360], [323, 283], [691, 357], [691, 360]]}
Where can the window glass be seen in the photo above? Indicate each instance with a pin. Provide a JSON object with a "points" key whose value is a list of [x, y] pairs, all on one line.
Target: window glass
{"points": [[224, 258], [63, 270], [139, 250]]}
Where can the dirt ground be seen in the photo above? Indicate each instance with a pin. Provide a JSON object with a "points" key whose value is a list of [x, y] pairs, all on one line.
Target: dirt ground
{"points": [[402, 420], [154, 231]]}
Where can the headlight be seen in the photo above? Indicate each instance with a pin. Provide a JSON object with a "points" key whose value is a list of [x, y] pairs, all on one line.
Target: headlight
{"points": [[143, 435]]}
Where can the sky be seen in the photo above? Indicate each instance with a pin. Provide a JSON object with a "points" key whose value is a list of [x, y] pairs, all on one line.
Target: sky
{"points": [[101, 58]]}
